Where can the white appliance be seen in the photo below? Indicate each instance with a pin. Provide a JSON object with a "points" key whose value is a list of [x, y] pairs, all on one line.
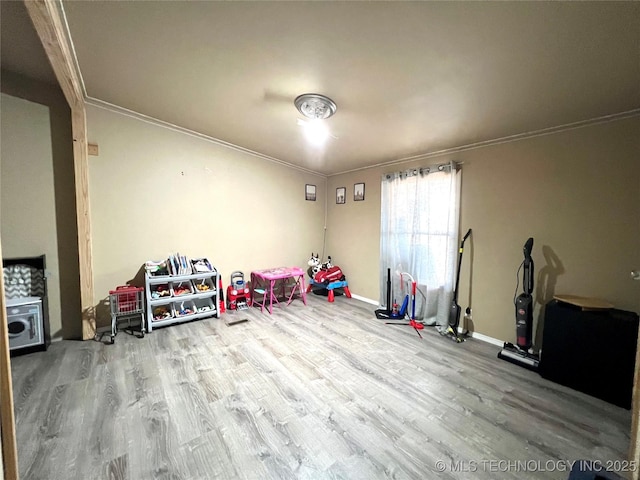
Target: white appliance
{"points": [[24, 321]]}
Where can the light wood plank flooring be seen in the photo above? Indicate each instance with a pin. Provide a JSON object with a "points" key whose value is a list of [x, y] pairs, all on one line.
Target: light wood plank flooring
{"points": [[315, 392]]}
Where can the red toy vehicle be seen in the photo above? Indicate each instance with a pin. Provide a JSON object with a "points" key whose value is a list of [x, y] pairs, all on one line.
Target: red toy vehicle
{"points": [[331, 274], [238, 293]]}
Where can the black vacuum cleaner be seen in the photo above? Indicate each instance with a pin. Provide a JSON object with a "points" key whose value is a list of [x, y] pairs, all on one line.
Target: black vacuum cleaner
{"points": [[521, 354], [393, 311], [385, 313], [454, 311]]}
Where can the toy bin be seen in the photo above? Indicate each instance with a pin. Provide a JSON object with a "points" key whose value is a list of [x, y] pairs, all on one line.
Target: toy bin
{"points": [[201, 265], [160, 291], [184, 308], [204, 285], [162, 312], [204, 305], [184, 287]]}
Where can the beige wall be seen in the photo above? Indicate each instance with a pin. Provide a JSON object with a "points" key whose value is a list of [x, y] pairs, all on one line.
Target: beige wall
{"points": [[27, 196], [155, 191], [353, 231], [576, 192], [65, 229]]}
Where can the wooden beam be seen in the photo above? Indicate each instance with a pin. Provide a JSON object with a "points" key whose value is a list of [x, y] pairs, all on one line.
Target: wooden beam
{"points": [[7, 420], [81, 165], [46, 18]]}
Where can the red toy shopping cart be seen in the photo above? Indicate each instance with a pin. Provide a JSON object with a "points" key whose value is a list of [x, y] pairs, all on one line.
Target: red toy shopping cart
{"points": [[126, 302]]}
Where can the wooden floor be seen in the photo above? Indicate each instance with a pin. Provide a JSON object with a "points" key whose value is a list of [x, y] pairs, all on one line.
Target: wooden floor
{"points": [[315, 392]]}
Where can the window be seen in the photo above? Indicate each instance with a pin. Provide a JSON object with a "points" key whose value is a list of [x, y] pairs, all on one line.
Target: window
{"points": [[419, 233]]}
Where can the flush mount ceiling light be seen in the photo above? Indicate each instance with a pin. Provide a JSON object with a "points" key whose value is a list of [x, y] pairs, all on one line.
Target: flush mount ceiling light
{"points": [[315, 106], [315, 131]]}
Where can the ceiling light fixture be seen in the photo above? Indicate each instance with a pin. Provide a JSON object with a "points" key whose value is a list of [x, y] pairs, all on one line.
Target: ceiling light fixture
{"points": [[316, 132], [315, 106]]}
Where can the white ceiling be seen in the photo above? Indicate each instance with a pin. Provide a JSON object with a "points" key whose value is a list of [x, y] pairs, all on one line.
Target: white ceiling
{"points": [[409, 78]]}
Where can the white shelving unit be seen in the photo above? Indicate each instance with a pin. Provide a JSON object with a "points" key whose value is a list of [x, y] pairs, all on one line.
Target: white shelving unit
{"points": [[210, 297]]}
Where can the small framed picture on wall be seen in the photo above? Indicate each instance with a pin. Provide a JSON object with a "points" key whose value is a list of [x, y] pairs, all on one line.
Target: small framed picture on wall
{"points": [[310, 192], [358, 192], [341, 195]]}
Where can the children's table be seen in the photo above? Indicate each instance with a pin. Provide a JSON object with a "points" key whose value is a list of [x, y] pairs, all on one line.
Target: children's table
{"points": [[272, 281]]}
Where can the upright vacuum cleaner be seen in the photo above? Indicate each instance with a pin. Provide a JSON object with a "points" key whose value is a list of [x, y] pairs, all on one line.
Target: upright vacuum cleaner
{"points": [[521, 354], [393, 311], [454, 311], [385, 313]]}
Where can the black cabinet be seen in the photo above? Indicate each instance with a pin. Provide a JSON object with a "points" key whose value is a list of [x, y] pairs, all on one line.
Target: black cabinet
{"points": [[25, 289], [590, 351]]}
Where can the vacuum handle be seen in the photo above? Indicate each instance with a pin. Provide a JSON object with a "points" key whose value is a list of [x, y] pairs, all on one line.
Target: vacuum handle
{"points": [[528, 247], [455, 291]]}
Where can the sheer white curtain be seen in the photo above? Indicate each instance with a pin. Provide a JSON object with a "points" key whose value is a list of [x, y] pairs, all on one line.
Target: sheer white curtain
{"points": [[419, 235]]}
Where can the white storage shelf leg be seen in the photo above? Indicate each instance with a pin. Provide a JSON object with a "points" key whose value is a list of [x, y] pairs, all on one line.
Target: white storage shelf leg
{"points": [[201, 299]]}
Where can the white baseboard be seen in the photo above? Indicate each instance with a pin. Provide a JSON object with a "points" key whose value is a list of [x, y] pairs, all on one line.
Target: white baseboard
{"points": [[484, 338], [365, 299], [476, 335]]}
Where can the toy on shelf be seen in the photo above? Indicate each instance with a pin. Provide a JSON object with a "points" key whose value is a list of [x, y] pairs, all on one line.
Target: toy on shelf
{"points": [[202, 304], [238, 293], [159, 291], [179, 265], [200, 265], [204, 285], [156, 268], [161, 313], [182, 288], [326, 278], [185, 309], [204, 308]]}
